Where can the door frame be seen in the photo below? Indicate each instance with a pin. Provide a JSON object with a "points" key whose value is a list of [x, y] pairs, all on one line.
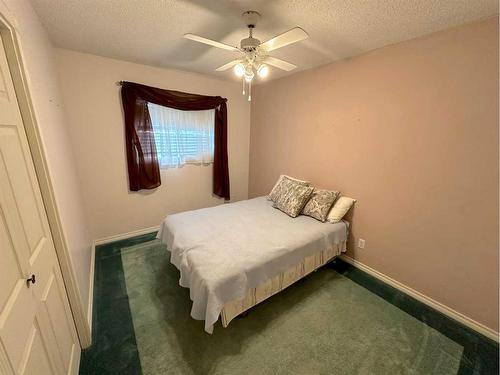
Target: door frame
{"points": [[8, 32]]}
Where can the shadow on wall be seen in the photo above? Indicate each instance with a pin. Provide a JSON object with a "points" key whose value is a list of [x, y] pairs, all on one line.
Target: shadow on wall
{"points": [[351, 218]]}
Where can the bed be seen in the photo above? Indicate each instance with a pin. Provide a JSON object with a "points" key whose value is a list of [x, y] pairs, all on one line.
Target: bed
{"points": [[233, 256]]}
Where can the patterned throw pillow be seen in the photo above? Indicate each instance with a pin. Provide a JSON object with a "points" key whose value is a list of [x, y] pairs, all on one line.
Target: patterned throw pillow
{"points": [[320, 203], [339, 209], [276, 191], [293, 197]]}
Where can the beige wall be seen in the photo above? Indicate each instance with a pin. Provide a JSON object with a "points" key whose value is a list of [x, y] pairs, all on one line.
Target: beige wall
{"points": [[38, 57], [411, 131], [96, 124]]}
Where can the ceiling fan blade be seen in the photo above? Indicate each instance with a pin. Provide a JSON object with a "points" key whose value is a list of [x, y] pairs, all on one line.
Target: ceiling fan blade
{"points": [[278, 63], [228, 65], [210, 42], [288, 37]]}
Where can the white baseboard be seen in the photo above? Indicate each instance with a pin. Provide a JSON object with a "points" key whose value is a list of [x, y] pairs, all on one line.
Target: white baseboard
{"points": [[123, 236], [465, 320], [90, 304]]}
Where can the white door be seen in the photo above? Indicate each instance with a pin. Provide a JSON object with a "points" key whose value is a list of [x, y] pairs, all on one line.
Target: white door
{"points": [[37, 332]]}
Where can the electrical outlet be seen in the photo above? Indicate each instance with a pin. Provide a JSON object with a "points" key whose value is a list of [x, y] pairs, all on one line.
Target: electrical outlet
{"points": [[361, 243]]}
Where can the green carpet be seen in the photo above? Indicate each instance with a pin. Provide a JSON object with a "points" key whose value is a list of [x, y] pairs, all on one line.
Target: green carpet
{"points": [[323, 324]]}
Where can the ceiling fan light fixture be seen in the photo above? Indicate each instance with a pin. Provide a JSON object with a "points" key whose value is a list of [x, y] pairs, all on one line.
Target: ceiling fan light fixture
{"points": [[263, 71], [249, 76], [239, 70]]}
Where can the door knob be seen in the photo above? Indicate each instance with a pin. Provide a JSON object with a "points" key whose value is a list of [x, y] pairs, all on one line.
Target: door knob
{"points": [[32, 280]]}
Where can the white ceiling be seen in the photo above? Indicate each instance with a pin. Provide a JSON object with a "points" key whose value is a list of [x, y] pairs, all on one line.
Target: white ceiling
{"points": [[150, 31]]}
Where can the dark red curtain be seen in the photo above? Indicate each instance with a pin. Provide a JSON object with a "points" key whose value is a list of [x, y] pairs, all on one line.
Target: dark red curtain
{"points": [[143, 167]]}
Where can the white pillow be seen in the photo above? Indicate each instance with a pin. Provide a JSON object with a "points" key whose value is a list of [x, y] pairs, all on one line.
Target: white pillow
{"points": [[339, 209]]}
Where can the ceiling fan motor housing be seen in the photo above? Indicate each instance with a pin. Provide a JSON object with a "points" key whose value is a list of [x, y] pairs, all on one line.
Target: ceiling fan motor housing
{"points": [[249, 44]]}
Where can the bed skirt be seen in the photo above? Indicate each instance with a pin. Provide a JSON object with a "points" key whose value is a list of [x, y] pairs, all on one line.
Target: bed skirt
{"points": [[232, 309]]}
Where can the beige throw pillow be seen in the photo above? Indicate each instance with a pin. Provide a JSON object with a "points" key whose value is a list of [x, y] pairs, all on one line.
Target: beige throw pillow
{"points": [[320, 203], [293, 197], [339, 209], [276, 191]]}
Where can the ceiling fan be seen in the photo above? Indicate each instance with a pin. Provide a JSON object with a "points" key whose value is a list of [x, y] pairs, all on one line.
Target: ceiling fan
{"points": [[255, 58]]}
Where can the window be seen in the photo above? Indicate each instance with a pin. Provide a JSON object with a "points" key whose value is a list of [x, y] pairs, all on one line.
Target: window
{"points": [[182, 137]]}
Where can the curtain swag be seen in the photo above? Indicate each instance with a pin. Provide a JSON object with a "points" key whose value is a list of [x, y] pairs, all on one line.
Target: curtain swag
{"points": [[142, 160]]}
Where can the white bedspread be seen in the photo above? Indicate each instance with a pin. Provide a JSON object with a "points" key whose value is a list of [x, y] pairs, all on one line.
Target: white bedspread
{"points": [[224, 250]]}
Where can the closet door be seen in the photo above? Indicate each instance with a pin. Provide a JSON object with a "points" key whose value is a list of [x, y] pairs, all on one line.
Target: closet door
{"points": [[37, 332]]}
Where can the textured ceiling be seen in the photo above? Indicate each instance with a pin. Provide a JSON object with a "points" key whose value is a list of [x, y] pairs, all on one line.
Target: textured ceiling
{"points": [[150, 31]]}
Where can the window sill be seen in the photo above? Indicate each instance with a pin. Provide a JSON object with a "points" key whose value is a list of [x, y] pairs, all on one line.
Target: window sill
{"points": [[164, 167]]}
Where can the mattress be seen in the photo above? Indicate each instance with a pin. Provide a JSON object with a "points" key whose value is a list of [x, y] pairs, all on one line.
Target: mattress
{"points": [[223, 252]]}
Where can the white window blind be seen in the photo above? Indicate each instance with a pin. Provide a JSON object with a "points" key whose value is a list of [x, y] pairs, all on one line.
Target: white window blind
{"points": [[182, 137]]}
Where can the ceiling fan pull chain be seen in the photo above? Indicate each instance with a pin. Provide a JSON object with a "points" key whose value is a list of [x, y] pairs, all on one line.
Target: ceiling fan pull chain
{"points": [[243, 80], [250, 91]]}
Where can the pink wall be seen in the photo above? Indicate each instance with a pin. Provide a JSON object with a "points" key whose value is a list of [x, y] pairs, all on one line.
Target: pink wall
{"points": [[411, 131], [110, 207]]}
